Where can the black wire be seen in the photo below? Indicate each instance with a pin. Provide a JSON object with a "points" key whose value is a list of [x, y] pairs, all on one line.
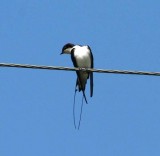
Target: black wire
{"points": [[81, 69]]}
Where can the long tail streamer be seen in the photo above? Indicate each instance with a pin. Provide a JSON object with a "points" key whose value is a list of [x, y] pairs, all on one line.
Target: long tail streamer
{"points": [[80, 113], [74, 118], [84, 96]]}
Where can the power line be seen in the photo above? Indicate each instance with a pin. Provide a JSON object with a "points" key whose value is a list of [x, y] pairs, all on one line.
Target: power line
{"points": [[79, 69]]}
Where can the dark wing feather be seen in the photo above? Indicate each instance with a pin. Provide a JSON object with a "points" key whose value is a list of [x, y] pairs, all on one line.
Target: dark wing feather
{"points": [[91, 73]]}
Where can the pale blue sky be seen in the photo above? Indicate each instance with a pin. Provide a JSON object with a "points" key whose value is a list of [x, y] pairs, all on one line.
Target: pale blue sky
{"points": [[122, 118]]}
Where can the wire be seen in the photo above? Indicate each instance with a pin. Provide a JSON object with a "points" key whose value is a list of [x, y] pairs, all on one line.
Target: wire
{"points": [[79, 69]]}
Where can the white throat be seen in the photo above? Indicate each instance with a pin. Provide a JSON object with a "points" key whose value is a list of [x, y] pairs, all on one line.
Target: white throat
{"points": [[68, 50]]}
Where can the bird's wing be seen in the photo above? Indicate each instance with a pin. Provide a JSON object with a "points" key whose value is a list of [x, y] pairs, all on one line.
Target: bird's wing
{"points": [[78, 74], [91, 73]]}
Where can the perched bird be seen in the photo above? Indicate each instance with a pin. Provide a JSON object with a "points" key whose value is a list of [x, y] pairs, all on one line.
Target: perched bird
{"points": [[82, 58]]}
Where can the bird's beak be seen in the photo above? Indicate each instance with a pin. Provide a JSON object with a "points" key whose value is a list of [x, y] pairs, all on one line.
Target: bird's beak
{"points": [[61, 53]]}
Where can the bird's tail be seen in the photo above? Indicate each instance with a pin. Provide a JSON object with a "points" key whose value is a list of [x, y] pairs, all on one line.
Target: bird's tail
{"points": [[80, 114], [81, 88], [84, 95], [74, 118]]}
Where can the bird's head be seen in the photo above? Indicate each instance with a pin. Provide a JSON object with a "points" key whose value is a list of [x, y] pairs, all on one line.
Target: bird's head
{"points": [[67, 48]]}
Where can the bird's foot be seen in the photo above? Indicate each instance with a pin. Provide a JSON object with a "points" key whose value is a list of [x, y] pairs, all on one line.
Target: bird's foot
{"points": [[83, 69]]}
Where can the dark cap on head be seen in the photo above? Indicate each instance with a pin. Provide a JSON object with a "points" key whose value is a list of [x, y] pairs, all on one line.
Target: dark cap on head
{"points": [[66, 46]]}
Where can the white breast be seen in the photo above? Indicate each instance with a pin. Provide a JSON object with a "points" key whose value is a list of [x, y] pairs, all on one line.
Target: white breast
{"points": [[82, 56]]}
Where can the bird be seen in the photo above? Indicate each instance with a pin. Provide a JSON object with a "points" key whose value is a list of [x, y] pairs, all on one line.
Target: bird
{"points": [[81, 57]]}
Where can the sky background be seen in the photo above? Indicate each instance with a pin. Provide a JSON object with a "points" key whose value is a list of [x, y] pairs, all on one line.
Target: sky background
{"points": [[122, 118]]}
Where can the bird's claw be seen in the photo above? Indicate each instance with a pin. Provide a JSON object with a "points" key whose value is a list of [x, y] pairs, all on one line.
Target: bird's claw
{"points": [[83, 69]]}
